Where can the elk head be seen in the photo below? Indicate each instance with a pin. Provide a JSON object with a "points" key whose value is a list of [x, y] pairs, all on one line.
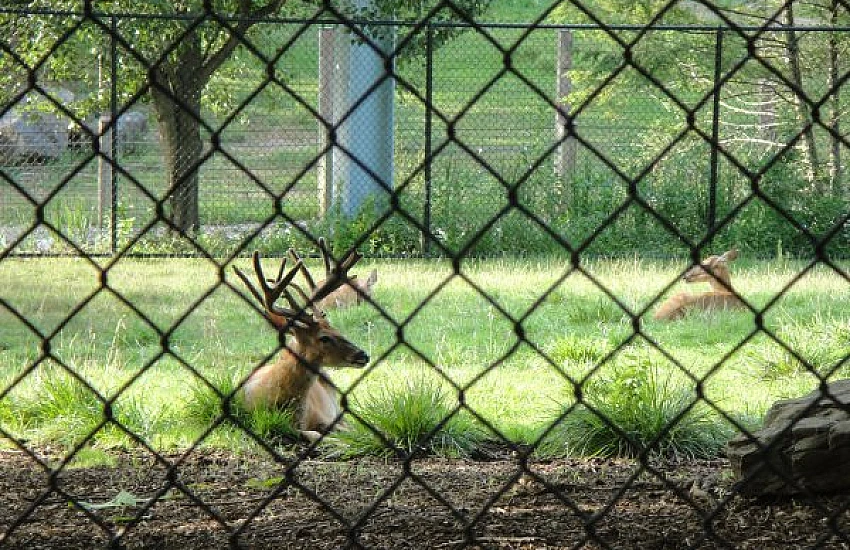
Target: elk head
{"points": [[713, 270], [351, 292], [316, 341]]}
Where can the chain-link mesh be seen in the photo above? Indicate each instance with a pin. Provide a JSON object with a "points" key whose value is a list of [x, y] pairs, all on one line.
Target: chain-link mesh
{"points": [[572, 140]]}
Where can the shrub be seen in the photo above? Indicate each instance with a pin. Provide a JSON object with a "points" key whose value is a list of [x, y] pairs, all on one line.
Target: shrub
{"points": [[408, 419], [644, 403], [205, 406]]}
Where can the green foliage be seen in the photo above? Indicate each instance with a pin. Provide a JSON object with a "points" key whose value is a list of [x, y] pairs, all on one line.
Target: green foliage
{"points": [[205, 406], [572, 349], [631, 123], [412, 419], [62, 409], [392, 236], [642, 407], [59, 404], [414, 11]]}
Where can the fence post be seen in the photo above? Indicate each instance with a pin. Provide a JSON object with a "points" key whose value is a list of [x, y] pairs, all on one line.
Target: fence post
{"points": [[325, 166], [565, 154], [363, 168], [429, 98], [711, 217], [113, 145], [104, 170]]}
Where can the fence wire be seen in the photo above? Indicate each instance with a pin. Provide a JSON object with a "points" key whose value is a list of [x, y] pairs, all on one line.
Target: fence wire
{"points": [[470, 147]]}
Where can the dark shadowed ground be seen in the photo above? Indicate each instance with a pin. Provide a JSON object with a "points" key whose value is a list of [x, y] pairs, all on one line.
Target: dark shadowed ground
{"points": [[217, 500]]}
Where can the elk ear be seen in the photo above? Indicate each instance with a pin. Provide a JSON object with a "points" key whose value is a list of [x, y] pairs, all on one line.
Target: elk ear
{"points": [[373, 278], [282, 322], [729, 255]]}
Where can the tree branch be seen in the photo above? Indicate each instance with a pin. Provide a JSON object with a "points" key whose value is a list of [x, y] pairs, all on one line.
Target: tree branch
{"points": [[247, 19]]}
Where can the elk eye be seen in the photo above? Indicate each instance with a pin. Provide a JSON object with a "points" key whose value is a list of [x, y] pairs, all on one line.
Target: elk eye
{"points": [[325, 339]]}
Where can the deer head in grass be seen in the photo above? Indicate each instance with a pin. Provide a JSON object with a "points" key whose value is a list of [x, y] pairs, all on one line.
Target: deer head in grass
{"points": [[713, 270]]}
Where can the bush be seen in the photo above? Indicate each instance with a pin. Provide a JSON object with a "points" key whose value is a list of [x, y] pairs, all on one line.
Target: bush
{"points": [[205, 406], [408, 418], [643, 403]]}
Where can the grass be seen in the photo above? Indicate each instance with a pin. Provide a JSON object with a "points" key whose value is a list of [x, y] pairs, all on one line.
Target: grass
{"points": [[643, 409], [574, 336], [418, 417]]}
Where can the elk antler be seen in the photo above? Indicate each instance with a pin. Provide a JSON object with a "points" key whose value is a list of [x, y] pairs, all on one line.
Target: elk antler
{"points": [[278, 315], [336, 274]]}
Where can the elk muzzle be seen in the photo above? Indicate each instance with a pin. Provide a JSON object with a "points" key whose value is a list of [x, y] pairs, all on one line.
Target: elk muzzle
{"points": [[360, 359]]}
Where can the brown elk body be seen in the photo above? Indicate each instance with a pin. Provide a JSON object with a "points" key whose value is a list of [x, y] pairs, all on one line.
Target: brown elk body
{"points": [[714, 271], [296, 378], [352, 293]]}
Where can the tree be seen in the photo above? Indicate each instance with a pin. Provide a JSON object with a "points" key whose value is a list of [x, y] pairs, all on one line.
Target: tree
{"points": [[175, 49]]}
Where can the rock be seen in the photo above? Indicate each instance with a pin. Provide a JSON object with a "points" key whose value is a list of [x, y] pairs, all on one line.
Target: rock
{"points": [[31, 135], [132, 127], [33, 130], [803, 446]]}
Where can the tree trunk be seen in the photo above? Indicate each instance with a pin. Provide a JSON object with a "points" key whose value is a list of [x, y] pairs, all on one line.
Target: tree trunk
{"points": [[792, 49], [835, 104], [176, 95]]}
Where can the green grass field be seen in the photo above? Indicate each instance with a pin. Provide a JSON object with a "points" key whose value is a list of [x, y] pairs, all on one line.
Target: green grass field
{"points": [[573, 333]]}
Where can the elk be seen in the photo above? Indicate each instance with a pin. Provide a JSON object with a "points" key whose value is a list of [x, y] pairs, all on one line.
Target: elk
{"points": [[296, 378], [352, 292], [715, 272]]}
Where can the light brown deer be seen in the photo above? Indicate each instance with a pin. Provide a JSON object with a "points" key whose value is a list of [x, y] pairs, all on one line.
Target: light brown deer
{"points": [[295, 379], [713, 270], [352, 292]]}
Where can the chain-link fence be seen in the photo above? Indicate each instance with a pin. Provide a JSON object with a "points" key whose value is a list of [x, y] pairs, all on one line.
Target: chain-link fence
{"points": [[207, 134], [272, 144]]}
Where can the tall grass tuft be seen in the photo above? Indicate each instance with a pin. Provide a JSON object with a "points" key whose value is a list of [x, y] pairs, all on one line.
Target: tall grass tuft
{"points": [[644, 402], [63, 410], [58, 405], [409, 418], [205, 406]]}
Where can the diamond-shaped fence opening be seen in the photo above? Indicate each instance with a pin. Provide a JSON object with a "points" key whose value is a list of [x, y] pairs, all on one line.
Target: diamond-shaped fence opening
{"points": [[527, 370]]}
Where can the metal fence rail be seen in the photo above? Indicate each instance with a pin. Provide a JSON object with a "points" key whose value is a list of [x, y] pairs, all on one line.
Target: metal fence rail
{"points": [[489, 140]]}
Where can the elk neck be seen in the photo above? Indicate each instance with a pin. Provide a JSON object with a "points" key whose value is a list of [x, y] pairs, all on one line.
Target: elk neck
{"points": [[721, 283], [302, 364]]}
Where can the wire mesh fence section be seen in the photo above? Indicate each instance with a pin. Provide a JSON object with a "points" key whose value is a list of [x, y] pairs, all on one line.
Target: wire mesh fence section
{"points": [[273, 142], [661, 142]]}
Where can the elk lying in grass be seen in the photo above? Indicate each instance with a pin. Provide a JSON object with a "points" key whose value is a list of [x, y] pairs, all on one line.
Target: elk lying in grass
{"points": [[713, 270], [352, 292], [295, 379]]}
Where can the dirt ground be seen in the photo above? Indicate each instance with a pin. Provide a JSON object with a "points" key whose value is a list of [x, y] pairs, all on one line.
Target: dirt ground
{"points": [[214, 500]]}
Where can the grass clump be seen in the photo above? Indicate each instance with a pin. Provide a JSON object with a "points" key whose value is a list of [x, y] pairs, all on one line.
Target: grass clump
{"points": [[412, 419], [638, 409], [571, 349], [206, 405], [56, 404], [62, 409]]}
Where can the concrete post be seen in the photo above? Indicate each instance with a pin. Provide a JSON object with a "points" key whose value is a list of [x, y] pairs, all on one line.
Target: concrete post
{"points": [[363, 164]]}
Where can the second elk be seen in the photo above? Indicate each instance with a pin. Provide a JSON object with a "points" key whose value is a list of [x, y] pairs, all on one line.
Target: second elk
{"points": [[296, 379], [713, 270], [352, 292]]}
